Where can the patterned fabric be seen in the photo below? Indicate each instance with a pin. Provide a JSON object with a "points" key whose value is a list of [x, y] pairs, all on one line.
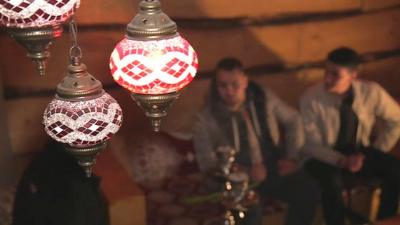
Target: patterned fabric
{"points": [[153, 159], [83, 124], [166, 204], [153, 67], [28, 13], [175, 180]]}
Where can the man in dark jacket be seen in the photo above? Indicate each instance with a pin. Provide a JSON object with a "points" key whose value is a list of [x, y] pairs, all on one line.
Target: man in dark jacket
{"points": [[55, 191], [247, 117]]}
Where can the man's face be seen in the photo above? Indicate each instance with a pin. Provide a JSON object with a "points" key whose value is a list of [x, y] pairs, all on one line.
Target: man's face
{"points": [[231, 86], [337, 78]]}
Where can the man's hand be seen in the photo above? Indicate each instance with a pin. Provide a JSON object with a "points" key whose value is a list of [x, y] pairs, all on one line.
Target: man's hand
{"points": [[355, 162], [258, 172], [286, 166]]}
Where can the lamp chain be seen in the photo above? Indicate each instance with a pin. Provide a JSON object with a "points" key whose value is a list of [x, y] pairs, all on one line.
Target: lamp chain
{"points": [[75, 51]]}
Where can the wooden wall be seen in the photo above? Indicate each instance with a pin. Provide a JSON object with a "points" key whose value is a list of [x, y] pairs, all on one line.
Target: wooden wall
{"points": [[281, 42], [5, 153]]}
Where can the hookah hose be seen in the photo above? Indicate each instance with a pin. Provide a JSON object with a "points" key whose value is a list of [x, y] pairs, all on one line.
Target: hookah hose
{"points": [[212, 197]]}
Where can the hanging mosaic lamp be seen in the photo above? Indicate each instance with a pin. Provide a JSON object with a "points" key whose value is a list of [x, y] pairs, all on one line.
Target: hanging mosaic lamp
{"points": [[82, 115], [153, 61], [35, 24]]}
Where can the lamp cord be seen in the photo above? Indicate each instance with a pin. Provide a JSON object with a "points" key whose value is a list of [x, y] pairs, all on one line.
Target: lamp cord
{"points": [[75, 51]]}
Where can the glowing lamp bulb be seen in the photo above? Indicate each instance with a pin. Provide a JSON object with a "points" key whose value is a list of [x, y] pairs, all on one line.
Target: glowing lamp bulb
{"points": [[153, 66]]}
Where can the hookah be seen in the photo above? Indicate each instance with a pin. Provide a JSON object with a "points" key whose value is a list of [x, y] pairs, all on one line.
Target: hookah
{"points": [[237, 196]]}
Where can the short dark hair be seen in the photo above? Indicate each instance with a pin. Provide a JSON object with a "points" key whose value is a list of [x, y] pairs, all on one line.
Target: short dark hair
{"points": [[229, 64], [345, 57]]}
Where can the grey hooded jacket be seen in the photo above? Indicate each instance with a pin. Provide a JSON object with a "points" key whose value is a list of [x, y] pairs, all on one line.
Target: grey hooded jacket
{"points": [[208, 136]]}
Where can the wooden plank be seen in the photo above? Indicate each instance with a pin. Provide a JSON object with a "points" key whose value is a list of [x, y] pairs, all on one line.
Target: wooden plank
{"points": [[368, 5], [253, 8], [25, 124], [25, 76], [271, 45], [106, 12], [386, 73], [285, 46], [370, 32], [122, 11], [252, 45], [255, 45], [11, 166], [122, 194]]}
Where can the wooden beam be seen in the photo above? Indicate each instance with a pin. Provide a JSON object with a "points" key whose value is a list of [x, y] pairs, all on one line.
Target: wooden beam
{"points": [[7, 174], [363, 33], [368, 5], [15, 92], [116, 20], [254, 46], [232, 22]]}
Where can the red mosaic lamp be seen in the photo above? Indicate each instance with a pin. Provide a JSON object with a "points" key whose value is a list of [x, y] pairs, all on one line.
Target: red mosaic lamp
{"points": [[82, 115], [153, 61], [35, 24]]}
